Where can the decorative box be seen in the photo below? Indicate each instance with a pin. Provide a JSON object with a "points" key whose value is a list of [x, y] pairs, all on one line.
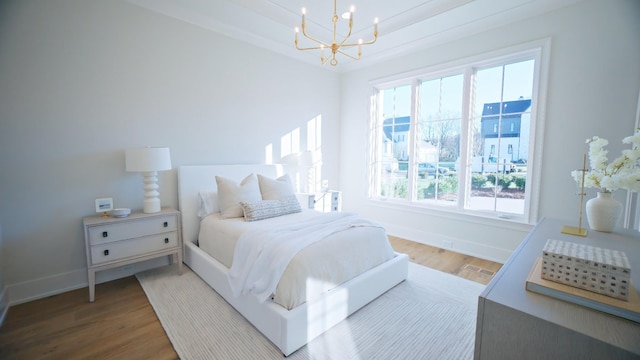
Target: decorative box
{"points": [[603, 271]]}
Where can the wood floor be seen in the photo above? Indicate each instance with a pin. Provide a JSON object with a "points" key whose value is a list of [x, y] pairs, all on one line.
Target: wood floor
{"points": [[457, 264], [121, 324]]}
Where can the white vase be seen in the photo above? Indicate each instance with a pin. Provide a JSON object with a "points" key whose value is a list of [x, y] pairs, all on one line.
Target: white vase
{"points": [[603, 212]]}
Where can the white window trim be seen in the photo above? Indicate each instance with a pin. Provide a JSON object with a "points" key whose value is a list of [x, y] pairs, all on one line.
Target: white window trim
{"points": [[538, 48], [631, 218]]}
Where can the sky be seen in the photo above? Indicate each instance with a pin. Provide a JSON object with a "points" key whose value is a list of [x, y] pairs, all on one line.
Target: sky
{"points": [[445, 94]]}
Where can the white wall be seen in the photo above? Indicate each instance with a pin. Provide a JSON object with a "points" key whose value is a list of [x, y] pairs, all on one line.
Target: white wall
{"points": [[81, 81], [593, 90]]}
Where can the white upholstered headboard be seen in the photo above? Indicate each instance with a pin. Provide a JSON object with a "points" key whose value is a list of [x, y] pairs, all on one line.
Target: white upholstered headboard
{"points": [[196, 178]]}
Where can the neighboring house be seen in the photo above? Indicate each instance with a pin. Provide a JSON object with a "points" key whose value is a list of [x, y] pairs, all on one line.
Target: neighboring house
{"points": [[396, 139], [512, 141], [396, 132]]}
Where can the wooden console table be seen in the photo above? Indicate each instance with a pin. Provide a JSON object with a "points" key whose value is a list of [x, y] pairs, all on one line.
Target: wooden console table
{"points": [[514, 323]]}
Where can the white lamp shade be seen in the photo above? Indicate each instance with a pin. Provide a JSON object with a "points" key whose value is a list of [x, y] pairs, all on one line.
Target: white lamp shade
{"points": [[305, 164], [302, 159], [148, 159], [309, 158], [292, 159]]}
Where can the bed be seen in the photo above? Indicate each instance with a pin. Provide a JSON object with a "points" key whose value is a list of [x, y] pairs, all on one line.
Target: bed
{"points": [[287, 329]]}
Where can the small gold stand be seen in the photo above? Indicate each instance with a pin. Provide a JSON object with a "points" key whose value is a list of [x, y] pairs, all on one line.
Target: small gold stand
{"points": [[572, 230], [105, 214]]}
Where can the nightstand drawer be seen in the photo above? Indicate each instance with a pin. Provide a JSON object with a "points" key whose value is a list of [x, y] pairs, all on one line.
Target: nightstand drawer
{"points": [[134, 247], [131, 229]]}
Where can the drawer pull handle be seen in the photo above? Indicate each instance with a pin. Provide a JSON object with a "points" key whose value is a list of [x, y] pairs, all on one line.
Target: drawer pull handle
{"points": [[105, 234], [166, 224], [166, 240], [106, 252]]}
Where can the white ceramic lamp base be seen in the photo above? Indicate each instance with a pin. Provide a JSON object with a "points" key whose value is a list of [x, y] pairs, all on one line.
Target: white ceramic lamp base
{"points": [[151, 202]]}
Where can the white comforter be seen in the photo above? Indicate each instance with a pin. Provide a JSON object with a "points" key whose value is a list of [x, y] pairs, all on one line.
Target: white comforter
{"points": [[263, 253], [316, 269]]}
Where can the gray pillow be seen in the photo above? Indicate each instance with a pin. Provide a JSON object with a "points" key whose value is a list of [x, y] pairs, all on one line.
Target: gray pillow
{"points": [[265, 209]]}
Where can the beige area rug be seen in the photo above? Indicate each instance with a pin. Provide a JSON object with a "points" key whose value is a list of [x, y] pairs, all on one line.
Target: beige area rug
{"points": [[432, 315]]}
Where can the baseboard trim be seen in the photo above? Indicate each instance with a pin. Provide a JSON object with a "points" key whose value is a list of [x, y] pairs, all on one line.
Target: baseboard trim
{"points": [[462, 246], [60, 283]]}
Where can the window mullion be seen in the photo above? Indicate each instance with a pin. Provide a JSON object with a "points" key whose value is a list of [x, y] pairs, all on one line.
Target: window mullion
{"points": [[375, 144], [464, 173], [413, 139]]}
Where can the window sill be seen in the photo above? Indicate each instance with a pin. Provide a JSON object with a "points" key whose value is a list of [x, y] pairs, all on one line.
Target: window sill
{"points": [[507, 221]]}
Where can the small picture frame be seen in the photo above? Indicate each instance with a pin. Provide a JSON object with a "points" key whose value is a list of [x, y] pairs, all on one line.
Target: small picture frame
{"points": [[104, 204]]}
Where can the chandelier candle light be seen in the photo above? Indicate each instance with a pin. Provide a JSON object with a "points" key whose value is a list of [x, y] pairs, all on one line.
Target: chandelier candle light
{"points": [[336, 48]]}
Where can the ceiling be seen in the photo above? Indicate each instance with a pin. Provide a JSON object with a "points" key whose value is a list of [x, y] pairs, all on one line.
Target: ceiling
{"points": [[404, 25]]}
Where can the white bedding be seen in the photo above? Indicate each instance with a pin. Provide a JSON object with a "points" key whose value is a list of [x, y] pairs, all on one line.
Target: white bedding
{"points": [[316, 268]]}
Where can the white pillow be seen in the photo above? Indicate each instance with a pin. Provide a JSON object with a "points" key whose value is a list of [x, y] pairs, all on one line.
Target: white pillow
{"points": [[230, 194], [265, 209], [208, 203], [275, 189]]}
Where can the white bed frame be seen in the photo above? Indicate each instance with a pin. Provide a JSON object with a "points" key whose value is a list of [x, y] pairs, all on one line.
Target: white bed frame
{"points": [[289, 330]]}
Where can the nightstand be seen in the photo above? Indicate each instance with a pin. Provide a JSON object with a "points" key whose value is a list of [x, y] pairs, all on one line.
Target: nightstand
{"points": [[328, 201], [113, 242]]}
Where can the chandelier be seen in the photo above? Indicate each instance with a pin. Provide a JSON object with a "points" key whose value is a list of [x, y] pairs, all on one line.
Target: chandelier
{"points": [[336, 47]]}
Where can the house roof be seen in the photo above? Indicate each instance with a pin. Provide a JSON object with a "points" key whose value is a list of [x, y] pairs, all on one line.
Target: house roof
{"points": [[395, 125], [508, 107], [509, 119]]}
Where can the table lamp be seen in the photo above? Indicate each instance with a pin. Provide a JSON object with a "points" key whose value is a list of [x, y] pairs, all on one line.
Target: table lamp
{"points": [[149, 161], [303, 162]]}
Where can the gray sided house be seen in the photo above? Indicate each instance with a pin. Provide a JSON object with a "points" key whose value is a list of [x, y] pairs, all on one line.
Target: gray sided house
{"points": [[505, 130]]}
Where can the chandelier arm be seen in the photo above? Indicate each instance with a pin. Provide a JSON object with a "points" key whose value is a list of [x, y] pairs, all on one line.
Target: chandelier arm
{"points": [[348, 55], [304, 33], [310, 48], [358, 44], [345, 38], [370, 42]]}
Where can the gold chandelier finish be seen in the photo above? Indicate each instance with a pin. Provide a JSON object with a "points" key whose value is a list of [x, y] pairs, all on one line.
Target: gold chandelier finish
{"points": [[336, 48]]}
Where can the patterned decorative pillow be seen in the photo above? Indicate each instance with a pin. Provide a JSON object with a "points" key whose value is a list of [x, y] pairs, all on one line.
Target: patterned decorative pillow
{"points": [[265, 209], [230, 194]]}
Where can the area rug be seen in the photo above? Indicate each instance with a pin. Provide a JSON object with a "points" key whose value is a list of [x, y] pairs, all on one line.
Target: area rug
{"points": [[432, 315]]}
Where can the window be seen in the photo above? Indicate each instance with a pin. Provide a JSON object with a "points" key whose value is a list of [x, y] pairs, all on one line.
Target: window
{"points": [[458, 138]]}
